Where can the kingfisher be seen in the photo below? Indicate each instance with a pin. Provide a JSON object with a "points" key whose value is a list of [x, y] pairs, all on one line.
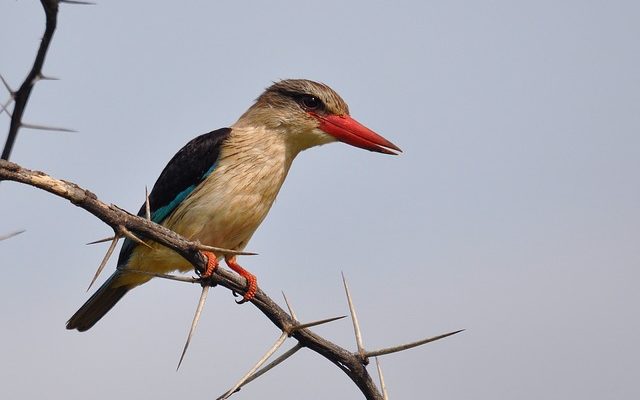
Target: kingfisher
{"points": [[220, 186]]}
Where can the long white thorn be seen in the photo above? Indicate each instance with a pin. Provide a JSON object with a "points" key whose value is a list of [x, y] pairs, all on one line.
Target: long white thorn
{"points": [[221, 250], [383, 387], [407, 346], [147, 206], [316, 323], [125, 232], [264, 358], [114, 242], [354, 318], [194, 323], [100, 241], [291, 312], [272, 364], [163, 276]]}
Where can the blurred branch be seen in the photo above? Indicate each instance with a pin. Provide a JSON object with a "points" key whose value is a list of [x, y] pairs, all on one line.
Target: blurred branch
{"points": [[21, 96], [10, 235]]}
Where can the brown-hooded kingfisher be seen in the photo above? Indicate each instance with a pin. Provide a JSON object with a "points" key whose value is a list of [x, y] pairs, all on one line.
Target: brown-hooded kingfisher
{"points": [[220, 186]]}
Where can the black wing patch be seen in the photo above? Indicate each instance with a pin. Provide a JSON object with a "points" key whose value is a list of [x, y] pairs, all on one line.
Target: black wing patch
{"points": [[188, 167]]}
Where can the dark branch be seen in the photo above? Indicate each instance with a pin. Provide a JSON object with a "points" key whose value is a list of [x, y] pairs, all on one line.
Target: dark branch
{"points": [[352, 363], [116, 217], [22, 95]]}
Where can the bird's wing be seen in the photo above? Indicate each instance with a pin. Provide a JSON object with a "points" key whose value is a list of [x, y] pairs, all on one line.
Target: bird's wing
{"points": [[190, 166]]}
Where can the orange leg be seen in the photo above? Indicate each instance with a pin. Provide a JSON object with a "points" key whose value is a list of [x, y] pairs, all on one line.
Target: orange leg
{"points": [[252, 282], [212, 264]]}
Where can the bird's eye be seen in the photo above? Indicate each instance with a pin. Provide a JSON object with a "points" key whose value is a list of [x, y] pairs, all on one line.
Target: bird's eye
{"points": [[310, 102]]}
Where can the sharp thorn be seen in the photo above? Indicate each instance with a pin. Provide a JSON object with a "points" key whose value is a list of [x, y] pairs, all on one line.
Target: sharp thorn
{"points": [[147, 206], [124, 231], [316, 323], [194, 323], [260, 362], [272, 364], [12, 234], [224, 251], [46, 128], [77, 2], [100, 241], [4, 106], [114, 242], [407, 346], [163, 276], [383, 387], [354, 317], [291, 312], [47, 78], [6, 85]]}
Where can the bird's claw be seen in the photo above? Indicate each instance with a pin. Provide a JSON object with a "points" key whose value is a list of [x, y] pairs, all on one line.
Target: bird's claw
{"points": [[252, 283], [248, 296]]}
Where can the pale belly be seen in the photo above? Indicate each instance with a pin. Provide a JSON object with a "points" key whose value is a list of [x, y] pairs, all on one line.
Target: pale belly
{"points": [[224, 212]]}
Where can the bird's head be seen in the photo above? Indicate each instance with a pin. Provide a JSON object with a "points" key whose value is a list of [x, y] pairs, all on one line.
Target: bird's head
{"points": [[312, 114]]}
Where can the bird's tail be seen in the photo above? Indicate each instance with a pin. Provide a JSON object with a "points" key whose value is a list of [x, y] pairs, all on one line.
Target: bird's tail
{"points": [[100, 302]]}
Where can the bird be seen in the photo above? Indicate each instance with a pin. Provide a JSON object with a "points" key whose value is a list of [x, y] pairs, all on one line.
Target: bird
{"points": [[220, 186]]}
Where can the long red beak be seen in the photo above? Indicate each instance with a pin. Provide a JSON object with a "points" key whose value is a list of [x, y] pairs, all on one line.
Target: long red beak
{"points": [[348, 130]]}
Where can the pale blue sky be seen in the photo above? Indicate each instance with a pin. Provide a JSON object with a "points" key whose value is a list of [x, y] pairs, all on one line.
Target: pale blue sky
{"points": [[514, 211]]}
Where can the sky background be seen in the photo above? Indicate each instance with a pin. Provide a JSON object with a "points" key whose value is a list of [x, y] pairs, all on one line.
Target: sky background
{"points": [[514, 211]]}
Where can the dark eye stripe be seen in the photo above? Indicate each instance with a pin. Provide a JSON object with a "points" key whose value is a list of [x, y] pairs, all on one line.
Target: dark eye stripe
{"points": [[307, 101]]}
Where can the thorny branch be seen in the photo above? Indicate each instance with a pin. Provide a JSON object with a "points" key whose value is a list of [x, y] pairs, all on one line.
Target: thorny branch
{"points": [[21, 96], [352, 364], [125, 224]]}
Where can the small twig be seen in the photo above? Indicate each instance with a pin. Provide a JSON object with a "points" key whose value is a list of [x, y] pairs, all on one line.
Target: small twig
{"points": [[12, 234], [407, 346], [194, 323], [383, 387]]}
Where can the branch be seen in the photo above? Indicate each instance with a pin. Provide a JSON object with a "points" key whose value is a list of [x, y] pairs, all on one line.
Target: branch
{"points": [[351, 363], [115, 217], [22, 95]]}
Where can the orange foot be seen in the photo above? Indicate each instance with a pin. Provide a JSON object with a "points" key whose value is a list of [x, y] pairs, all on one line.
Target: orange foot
{"points": [[252, 282], [212, 264]]}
